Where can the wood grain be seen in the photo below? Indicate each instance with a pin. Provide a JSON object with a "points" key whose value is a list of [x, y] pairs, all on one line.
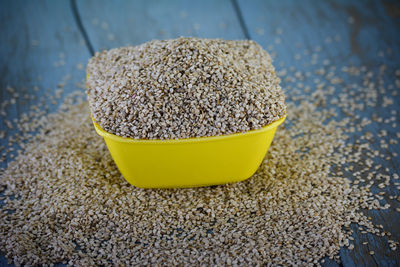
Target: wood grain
{"points": [[40, 46], [119, 23]]}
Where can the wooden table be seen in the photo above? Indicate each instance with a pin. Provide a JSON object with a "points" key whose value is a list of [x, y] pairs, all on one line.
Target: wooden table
{"points": [[44, 43]]}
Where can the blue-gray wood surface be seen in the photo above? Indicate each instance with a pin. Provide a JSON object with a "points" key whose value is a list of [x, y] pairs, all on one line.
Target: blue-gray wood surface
{"points": [[44, 41]]}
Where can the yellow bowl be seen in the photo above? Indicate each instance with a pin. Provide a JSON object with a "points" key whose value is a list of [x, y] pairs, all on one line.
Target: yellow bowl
{"points": [[189, 162]]}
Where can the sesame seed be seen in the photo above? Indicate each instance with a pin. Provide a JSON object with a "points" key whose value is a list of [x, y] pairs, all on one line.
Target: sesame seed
{"points": [[65, 200], [180, 88]]}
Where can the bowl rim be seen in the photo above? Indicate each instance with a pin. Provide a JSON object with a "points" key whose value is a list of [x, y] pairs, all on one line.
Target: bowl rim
{"points": [[121, 139]]}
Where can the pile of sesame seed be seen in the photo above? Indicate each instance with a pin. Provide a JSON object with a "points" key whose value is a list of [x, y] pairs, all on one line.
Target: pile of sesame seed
{"points": [[185, 87], [71, 204], [65, 200]]}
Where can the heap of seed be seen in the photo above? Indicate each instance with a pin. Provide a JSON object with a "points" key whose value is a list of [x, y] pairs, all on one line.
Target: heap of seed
{"points": [[186, 87], [71, 204], [65, 201]]}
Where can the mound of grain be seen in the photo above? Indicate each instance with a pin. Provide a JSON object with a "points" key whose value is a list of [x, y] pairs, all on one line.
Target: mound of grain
{"points": [[186, 87]]}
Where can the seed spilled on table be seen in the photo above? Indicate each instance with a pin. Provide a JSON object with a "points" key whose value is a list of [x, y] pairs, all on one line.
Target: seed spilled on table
{"points": [[65, 200]]}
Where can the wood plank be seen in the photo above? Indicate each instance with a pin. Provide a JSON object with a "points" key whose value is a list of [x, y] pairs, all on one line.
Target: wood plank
{"points": [[112, 24], [40, 46], [364, 33]]}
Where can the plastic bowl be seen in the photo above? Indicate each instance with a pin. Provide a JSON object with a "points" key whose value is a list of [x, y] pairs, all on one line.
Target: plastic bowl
{"points": [[190, 162]]}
